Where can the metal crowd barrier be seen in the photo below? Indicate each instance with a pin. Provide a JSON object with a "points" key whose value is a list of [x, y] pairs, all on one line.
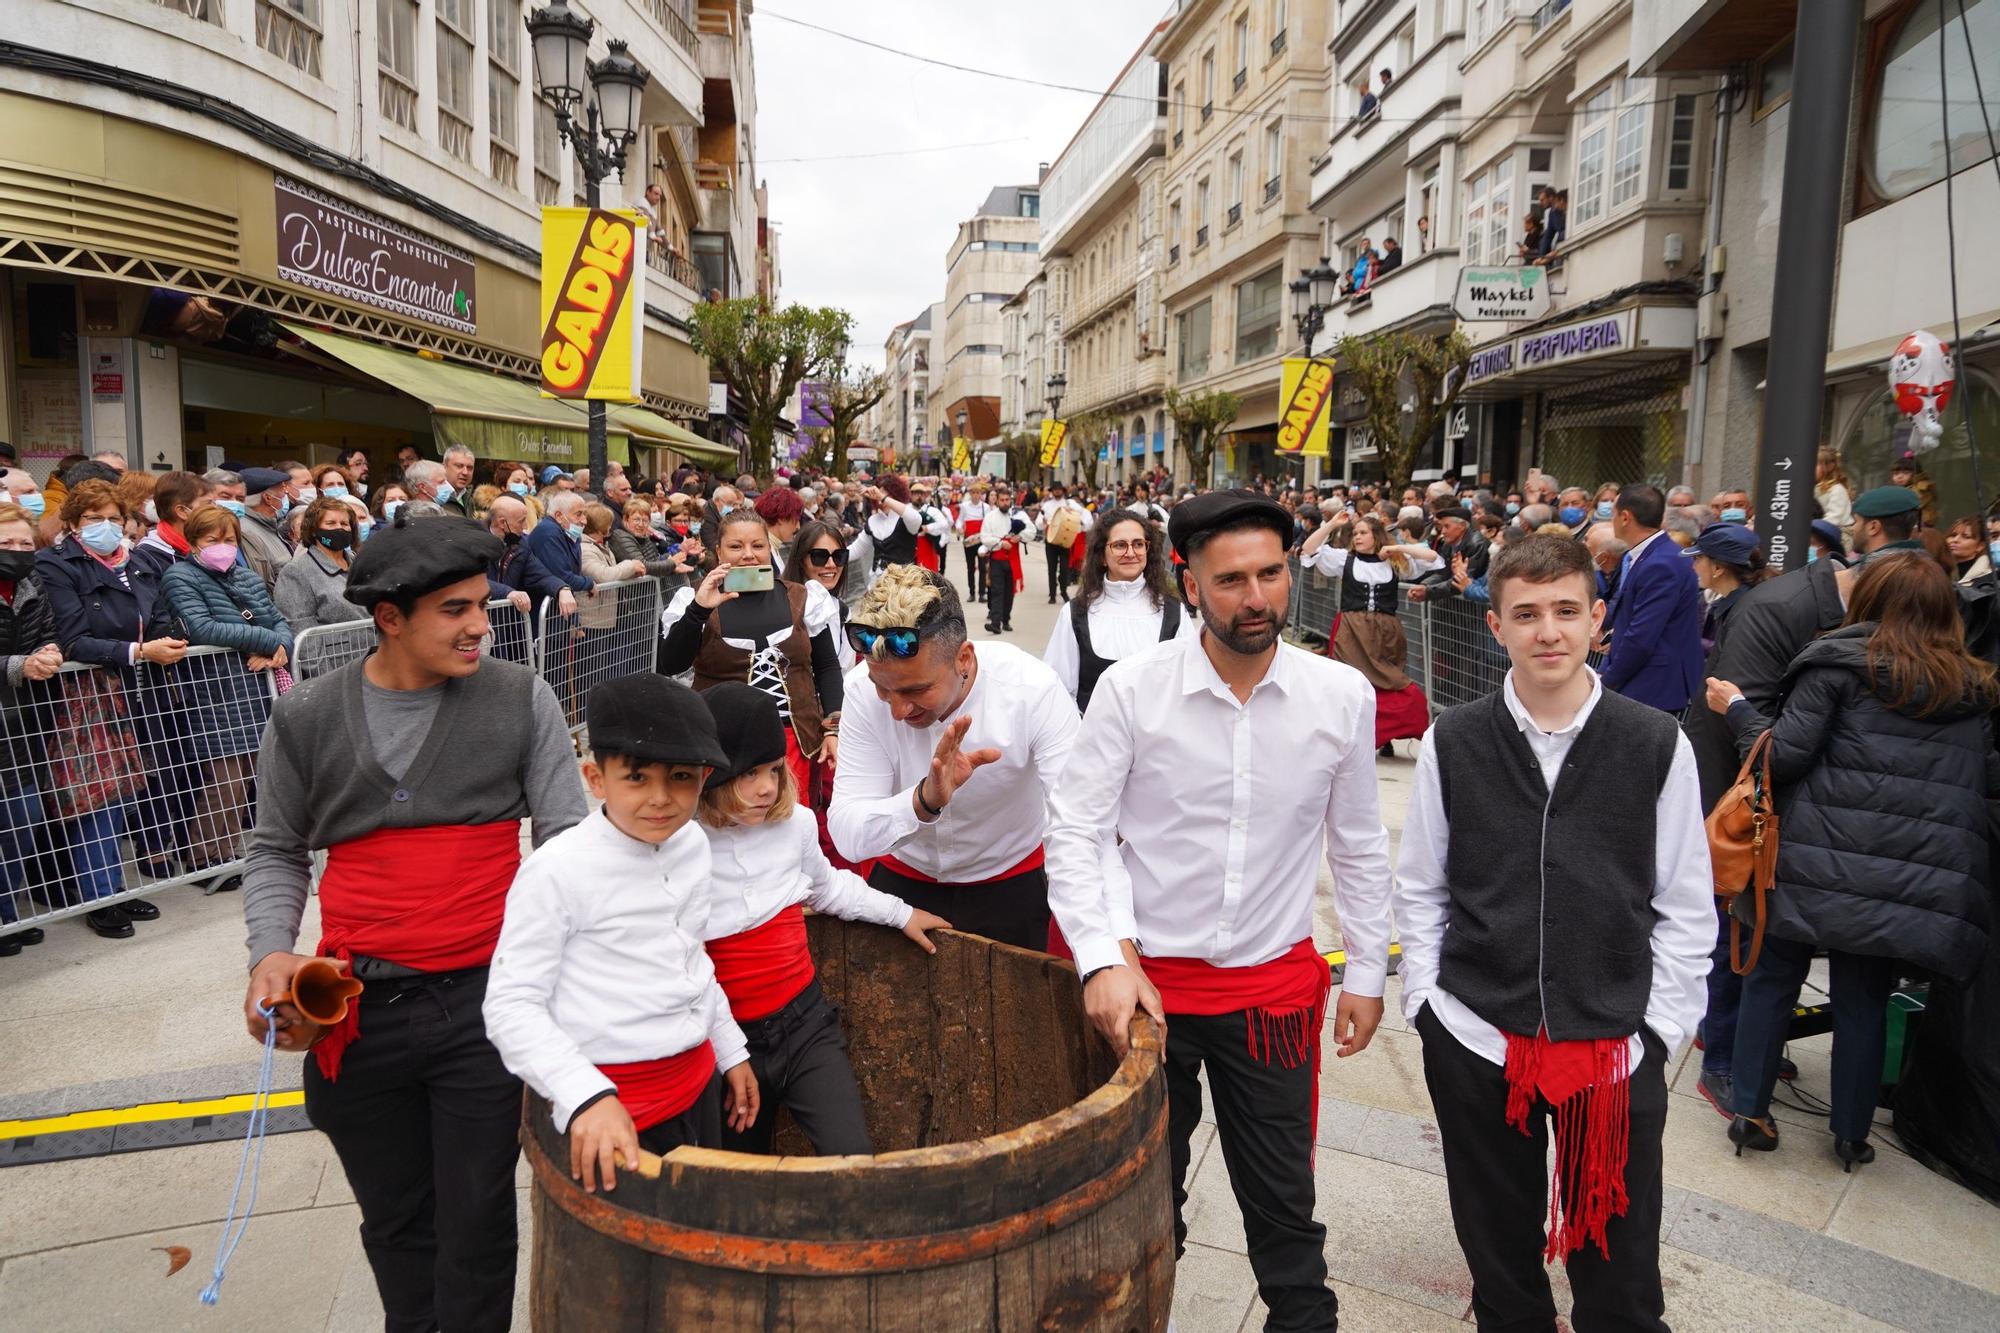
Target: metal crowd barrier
{"points": [[324, 648], [119, 783], [1451, 653], [614, 634]]}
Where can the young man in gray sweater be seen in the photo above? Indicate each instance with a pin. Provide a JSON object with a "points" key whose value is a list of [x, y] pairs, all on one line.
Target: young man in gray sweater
{"points": [[412, 769]]}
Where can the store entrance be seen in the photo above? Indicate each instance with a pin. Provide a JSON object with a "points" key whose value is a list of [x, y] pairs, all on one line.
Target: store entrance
{"points": [[238, 412]]}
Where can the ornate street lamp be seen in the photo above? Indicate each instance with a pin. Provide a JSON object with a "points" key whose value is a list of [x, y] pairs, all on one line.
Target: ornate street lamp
{"points": [[1058, 382], [610, 90], [1312, 296]]}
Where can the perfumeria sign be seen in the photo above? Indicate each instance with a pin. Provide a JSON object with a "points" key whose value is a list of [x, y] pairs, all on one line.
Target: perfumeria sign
{"points": [[344, 250]]}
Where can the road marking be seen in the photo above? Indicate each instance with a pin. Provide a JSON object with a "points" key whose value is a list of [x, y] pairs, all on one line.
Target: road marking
{"points": [[110, 1117]]}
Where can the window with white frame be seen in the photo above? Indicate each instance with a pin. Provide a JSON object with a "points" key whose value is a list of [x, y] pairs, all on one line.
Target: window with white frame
{"points": [[1192, 335], [1593, 150], [1173, 231], [396, 38], [1475, 217], [1257, 303], [503, 71], [1201, 213], [454, 76], [1488, 17], [1274, 158], [1236, 186], [1180, 104], [1680, 142], [1628, 159], [1406, 48], [1427, 201], [1500, 211], [1207, 85], [1240, 42]]}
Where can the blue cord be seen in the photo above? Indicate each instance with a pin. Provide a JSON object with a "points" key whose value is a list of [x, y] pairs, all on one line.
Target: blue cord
{"points": [[233, 1227]]}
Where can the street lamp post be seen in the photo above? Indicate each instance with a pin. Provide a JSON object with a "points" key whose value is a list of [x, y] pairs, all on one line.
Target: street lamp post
{"points": [[1312, 296], [560, 40], [1058, 382]]}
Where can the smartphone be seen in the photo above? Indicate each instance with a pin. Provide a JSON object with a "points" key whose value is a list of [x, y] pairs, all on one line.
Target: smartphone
{"points": [[748, 578]]}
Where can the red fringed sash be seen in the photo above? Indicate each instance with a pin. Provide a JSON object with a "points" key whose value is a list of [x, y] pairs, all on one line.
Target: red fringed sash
{"points": [[1284, 1000], [764, 968], [657, 1090], [1589, 1083], [428, 898]]}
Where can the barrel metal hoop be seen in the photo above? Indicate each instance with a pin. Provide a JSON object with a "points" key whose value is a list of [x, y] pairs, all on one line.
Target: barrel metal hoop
{"points": [[763, 1254]]}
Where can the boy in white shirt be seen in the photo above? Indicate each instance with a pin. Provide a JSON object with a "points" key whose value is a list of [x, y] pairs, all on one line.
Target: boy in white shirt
{"points": [[601, 997]]}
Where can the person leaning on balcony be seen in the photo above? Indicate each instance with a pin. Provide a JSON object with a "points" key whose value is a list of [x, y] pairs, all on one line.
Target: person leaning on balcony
{"points": [[1368, 102], [1392, 257], [1530, 248], [1555, 219]]}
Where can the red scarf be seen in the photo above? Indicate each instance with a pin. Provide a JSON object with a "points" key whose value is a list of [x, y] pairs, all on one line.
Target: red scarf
{"points": [[1009, 554], [764, 968], [656, 1090], [171, 535], [427, 898], [1032, 861], [1589, 1083], [927, 556]]}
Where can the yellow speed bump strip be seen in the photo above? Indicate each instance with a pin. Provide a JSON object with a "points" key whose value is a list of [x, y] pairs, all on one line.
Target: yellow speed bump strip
{"points": [[1338, 958], [112, 1117]]}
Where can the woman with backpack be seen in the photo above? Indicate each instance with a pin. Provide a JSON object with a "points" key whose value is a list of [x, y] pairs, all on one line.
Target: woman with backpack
{"points": [[1124, 604]]}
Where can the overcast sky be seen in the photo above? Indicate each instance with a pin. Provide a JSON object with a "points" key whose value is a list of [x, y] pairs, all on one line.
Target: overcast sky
{"points": [[870, 234]]}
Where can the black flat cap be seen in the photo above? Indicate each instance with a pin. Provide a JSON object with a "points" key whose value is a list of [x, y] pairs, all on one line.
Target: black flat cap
{"points": [[747, 725], [653, 719], [1195, 518], [257, 480], [407, 559], [1459, 512]]}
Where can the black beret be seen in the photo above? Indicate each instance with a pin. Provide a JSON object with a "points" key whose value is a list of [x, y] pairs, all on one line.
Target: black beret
{"points": [[257, 480], [1200, 515], [651, 718], [408, 559], [748, 727], [1459, 512]]}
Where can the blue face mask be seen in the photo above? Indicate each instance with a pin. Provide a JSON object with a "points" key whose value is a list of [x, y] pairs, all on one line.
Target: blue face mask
{"points": [[1993, 554], [1512, 509], [34, 504], [101, 535], [516, 488], [389, 510], [1604, 509], [367, 526], [335, 492], [1571, 515], [1733, 516], [575, 531], [725, 510], [444, 493], [1812, 555], [233, 506]]}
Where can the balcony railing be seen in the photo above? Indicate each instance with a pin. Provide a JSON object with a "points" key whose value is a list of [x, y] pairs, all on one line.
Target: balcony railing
{"points": [[1207, 110], [676, 26], [1116, 285], [502, 164], [208, 11], [455, 135], [1235, 214], [1173, 254], [1200, 237], [1271, 189], [1178, 137], [714, 175], [548, 190], [398, 100], [1242, 77], [1277, 41], [676, 266], [289, 30]]}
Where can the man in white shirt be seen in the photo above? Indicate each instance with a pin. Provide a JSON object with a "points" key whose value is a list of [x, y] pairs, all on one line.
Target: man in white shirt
{"points": [[1224, 763], [971, 517], [1058, 539], [1516, 795], [946, 764]]}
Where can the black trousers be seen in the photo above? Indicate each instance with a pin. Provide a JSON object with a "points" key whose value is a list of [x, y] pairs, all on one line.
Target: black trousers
{"points": [[1013, 910], [699, 1126], [1498, 1180], [975, 571], [799, 1055], [1860, 986], [1264, 1126], [999, 591], [1058, 562], [424, 1118]]}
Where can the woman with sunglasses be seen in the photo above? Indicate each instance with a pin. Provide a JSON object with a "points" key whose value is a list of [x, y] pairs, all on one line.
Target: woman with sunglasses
{"points": [[782, 639], [1124, 603], [819, 556]]}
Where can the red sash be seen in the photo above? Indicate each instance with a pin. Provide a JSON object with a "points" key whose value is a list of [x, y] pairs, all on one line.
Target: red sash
{"points": [[1032, 861], [1076, 550], [1589, 1083], [1010, 555], [427, 898], [764, 968], [972, 527], [656, 1090]]}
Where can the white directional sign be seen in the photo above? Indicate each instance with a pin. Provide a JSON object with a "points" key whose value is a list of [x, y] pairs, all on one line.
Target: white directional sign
{"points": [[1505, 292]]}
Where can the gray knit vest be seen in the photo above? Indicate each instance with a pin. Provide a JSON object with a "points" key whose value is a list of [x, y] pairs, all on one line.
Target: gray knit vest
{"points": [[1551, 915], [467, 770]]}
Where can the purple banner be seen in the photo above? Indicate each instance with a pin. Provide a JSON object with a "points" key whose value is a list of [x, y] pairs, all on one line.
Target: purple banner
{"points": [[812, 406]]}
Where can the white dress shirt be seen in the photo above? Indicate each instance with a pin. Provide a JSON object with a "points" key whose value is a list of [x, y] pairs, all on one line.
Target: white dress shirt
{"points": [[1683, 900], [1123, 621], [999, 526], [758, 870], [1224, 808], [600, 962], [1332, 560], [997, 818], [882, 524], [973, 510]]}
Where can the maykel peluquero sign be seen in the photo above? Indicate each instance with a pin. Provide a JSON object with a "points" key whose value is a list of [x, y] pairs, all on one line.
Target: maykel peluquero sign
{"points": [[344, 250], [1507, 292]]}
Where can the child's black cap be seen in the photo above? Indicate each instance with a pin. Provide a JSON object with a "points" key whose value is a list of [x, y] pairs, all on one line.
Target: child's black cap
{"points": [[748, 726], [654, 720]]}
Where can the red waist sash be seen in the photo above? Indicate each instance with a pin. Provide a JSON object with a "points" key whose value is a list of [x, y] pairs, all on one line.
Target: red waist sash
{"points": [[426, 898], [1032, 861], [656, 1090], [1589, 1085], [763, 969], [972, 526], [1285, 999]]}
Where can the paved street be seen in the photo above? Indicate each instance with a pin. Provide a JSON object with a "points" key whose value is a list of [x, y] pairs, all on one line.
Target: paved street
{"points": [[1775, 1242]]}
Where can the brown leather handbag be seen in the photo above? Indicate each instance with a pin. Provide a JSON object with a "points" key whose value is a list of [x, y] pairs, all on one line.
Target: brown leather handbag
{"points": [[1743, 847]]}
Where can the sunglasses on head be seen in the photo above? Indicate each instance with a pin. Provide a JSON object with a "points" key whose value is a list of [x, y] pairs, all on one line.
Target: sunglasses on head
{"points": [[900, 640], [837, 556]]}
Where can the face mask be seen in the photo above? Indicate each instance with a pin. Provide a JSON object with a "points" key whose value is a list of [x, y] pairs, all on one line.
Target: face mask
{"points": [[1571, 515], [516, 488], [335, 492], [575, 531], [367, 526], [444, 493], [1993, 553], [1812, 555], [1733, 516], [1512, 509], [361, 488], [219, 558], [1604, 509], [389, 509], [34, 504], [102, 535], [726, 510], [152, 512], [511, 538], [308, 494], [284, 506], [336, 539], [16, 565], [233, 506]]}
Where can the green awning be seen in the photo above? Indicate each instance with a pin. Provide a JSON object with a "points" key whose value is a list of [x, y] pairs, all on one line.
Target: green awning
{"points": [[650, 428], [491, 415]]}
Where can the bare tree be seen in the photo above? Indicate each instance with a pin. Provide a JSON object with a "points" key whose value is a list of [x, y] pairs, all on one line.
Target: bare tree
{"points": [[1409, 383], [1199, 421]]}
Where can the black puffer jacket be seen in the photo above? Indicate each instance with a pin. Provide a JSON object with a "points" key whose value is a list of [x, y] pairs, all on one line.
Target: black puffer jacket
{"points": [[1882, 844]]}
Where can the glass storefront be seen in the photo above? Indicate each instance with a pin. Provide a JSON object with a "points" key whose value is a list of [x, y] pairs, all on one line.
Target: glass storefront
{"points": [[1625, 428], [1876, 434]]}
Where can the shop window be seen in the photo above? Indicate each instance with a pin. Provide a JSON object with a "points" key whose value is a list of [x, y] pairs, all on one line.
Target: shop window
{"points": [[1879, 432], [1906, 148], [1257, 303]]}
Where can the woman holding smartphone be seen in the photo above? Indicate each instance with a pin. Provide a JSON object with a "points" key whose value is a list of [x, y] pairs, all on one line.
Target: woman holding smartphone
{"points": [[741, 623]]}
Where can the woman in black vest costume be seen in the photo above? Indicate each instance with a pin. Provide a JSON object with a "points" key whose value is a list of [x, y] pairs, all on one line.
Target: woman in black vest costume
{"points": [[1366, 634], [1124, 603], [893, 524]]}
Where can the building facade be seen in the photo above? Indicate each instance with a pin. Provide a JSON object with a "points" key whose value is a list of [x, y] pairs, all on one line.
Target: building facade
{"points": [[1246, 82], [991, 258], [342, 253], [1024, 362]]}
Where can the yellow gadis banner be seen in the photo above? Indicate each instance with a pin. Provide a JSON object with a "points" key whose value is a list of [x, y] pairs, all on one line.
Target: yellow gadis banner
{"points": [[593, 290], [1305, 397], [1053, 435]]}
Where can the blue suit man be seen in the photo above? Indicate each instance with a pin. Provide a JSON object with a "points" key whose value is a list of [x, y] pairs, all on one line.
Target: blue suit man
{"points": [[1655, 614]]}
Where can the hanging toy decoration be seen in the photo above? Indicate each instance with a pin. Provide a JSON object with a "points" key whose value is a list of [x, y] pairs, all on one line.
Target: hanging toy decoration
{"points": [[1922, 375]]}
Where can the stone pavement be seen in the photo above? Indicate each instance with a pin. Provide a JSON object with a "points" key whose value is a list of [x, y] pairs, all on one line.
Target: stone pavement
{"points": [[1777, 1242]]}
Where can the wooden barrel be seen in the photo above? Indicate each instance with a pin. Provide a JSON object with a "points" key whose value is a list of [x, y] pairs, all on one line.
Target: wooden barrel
{"points": [[1021, 1180]]}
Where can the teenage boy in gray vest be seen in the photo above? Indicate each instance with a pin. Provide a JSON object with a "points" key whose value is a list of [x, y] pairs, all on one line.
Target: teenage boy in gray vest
{"points": [[1549, 982], [413, 769]]}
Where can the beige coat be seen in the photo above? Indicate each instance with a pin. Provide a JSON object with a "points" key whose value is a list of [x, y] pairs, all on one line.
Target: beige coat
{"points": [[601, 611]]}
